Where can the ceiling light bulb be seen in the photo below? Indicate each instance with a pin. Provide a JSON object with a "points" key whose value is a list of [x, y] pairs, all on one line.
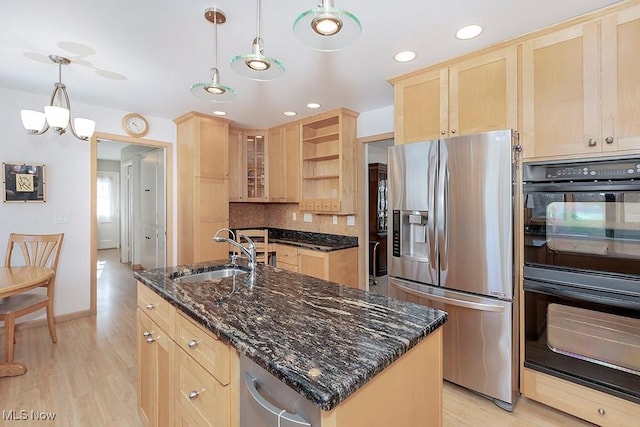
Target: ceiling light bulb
{"points": [[405, 56], [469, 32], [289, 113], [220, 113], [258, 64], [326, 25], [215, 90], [313, 105]]}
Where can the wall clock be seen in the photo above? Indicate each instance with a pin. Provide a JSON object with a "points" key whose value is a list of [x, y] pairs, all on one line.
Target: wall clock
{"points": [[135, 125]]}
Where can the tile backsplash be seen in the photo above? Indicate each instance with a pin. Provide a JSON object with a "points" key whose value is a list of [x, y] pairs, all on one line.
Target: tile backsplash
{"points": [[280, 215]]}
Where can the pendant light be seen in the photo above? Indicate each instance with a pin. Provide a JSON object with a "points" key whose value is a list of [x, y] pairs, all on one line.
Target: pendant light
{"points": [[255, 65], [326, 27], [213, 90], [58, 113]]}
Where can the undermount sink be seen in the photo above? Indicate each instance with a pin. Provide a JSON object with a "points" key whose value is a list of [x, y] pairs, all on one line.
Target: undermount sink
{"points": [[212, 275]]}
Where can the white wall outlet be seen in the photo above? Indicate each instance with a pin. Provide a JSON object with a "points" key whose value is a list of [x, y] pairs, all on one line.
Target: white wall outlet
{"points": [[294, 216], [335, 220], [308, 217], [351, 220]]}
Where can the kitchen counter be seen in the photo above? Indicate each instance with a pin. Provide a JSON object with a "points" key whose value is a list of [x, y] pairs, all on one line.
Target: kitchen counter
{"points": [[310, 240], [321, 339]]}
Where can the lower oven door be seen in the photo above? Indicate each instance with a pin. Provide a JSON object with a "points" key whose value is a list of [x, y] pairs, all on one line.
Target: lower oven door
{"points": [[583, 335]]}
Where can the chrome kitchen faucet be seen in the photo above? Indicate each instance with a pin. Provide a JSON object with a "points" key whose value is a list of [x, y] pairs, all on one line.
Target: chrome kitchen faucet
{"points": [[250, 252]]}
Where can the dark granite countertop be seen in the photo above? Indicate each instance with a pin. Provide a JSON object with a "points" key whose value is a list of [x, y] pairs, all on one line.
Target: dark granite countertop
{"points": [[315, 241], [293, 325]]}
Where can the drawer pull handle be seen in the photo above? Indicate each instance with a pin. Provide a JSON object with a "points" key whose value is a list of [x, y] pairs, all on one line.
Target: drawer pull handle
{"points": [[193, 344], [147, 333], [151, 306], [609, 140], [592, 142], [151, 340], [193, 394], [601, 411], [269, 408]]}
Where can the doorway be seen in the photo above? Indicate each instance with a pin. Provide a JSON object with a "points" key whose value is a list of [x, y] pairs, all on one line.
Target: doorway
{"points": [[132, 177]]}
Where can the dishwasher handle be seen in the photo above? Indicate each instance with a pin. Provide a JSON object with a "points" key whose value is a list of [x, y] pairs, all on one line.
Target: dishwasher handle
{"points": [[281, 414]]}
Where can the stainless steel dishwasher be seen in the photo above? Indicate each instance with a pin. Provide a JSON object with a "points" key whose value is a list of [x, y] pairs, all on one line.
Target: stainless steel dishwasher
{"points": [[265, 401]]}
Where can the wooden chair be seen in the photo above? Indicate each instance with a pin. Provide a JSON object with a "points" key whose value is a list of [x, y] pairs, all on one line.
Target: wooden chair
{"points": [[41, 250], [261, 240]]}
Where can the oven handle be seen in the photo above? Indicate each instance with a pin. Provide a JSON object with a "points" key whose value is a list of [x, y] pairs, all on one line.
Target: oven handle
{"points": [[582, 295], [279, 413], [564, 187]]}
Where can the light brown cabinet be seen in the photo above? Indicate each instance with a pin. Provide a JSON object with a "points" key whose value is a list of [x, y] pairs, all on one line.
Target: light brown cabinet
{"points": [[284, 163], [155, 356], [581, 88], [184, 372], [477, 94], [203, 186], [287, 257], [335, 266], [328, 156], [237, 172]]}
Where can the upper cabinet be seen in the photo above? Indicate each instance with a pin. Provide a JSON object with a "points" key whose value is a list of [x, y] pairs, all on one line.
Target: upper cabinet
{"points": [[581, 88], [328, 156], [477, 94], [283, 158], [247, 165], [203, 186]]}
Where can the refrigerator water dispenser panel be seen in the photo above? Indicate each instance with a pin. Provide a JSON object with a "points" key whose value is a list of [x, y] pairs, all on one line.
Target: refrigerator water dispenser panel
{"points": [[410, 234]]}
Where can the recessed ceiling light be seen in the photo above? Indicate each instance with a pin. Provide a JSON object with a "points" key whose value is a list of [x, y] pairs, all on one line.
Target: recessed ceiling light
{"points": [[405, 56], [313, 105], [469, 32], [220, 113], [290, 113]]}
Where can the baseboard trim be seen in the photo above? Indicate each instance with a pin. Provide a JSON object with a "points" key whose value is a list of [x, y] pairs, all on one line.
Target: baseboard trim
{"points": [[36, 323]]}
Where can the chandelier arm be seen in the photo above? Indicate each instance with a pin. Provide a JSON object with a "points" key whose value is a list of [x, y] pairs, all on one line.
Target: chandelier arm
{"points": [[66, 99]]}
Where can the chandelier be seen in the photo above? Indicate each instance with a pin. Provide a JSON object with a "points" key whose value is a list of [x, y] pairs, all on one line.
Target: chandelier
{"points": [[57, 114]]}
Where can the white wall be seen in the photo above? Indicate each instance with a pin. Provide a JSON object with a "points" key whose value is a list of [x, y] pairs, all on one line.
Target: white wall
{"points": [[375, 122], [67, 162]]}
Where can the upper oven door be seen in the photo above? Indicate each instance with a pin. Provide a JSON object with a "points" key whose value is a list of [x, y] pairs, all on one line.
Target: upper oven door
{"points": [[587, 226]]}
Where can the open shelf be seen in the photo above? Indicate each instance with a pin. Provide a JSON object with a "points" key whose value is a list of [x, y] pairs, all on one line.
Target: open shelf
{"points": [[335, 156], [317, 139], [322, 177]]}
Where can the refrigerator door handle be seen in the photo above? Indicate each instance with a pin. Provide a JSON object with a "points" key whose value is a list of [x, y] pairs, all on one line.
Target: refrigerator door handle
{"points": [[431, 218], [447, 300], [442, 213]]}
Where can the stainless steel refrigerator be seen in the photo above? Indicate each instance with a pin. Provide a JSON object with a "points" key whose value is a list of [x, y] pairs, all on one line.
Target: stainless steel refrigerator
{"points": [[451, 223]]}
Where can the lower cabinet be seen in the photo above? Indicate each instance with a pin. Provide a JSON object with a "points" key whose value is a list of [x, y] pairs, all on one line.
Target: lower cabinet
{"points": [[335, 266], [185, 377]]}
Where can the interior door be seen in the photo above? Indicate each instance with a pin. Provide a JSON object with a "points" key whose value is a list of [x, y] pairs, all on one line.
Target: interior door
{"points": [[108, 209]]}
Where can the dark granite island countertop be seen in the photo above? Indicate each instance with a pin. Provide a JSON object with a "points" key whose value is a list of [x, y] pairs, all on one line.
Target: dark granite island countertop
{"points": [[295, 326]]}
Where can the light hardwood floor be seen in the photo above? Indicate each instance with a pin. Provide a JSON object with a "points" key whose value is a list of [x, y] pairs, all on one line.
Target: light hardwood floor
{"points": [[89, 377]]}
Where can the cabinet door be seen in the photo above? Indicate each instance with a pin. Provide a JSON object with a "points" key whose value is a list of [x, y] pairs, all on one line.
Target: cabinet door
{"points": [[256, 143], [561, 93], [213, 214], [483, 93], [237, 173], [422, 106], [276, 165], [213, 143], [291, 143], [155, 397], [621, 80], [313, 263]]}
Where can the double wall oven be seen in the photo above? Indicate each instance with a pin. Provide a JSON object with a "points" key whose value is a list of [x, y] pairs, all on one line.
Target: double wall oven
{"points": [[582, 273]]}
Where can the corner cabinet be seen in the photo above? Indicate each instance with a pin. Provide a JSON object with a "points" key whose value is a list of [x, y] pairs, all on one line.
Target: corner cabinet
{"points": [[328, 156], [477, 94], [581, 88]]}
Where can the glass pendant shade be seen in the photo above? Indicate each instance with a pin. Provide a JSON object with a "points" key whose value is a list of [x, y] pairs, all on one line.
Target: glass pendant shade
{"points": [[214, 91], [84, 127], [57, 117], [255, 65], [327, 28], [33, 121]]}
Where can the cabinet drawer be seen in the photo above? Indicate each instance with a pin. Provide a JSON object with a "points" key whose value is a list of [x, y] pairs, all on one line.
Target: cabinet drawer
{"points": [[285, 266], [210, 352], [335, 205], [209, 404], [317, 205], [287, 254], [591, 405], [326, 205], [158, 309]]}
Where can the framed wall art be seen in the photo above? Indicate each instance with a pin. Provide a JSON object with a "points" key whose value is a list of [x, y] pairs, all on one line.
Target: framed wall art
{"points": [[23, 182]]}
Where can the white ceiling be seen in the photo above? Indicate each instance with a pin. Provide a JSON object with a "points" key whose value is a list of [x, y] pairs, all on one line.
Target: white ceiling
{"points": [[143, 55]]}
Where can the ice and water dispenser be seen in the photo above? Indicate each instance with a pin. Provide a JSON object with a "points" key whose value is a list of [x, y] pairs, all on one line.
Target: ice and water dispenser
{"points": [[410, 238]]}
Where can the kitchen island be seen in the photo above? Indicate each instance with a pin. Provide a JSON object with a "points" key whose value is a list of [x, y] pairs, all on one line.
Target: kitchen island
{"points": [[362, 359]]}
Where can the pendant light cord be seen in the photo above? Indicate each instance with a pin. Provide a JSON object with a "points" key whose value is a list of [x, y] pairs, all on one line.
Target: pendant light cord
{"points": [[215, 39]]}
